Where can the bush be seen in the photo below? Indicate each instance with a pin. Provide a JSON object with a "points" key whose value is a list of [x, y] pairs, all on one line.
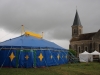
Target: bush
{"points": [[73, 52]]}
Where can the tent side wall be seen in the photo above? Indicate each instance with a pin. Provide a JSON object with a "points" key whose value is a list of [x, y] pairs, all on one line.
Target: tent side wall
{"points": [[84, 57], [94, 54], [32, 58]]}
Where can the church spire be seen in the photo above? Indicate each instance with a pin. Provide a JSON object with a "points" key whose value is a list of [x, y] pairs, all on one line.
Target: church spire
{"points": [[77, 28], [77, 19]]}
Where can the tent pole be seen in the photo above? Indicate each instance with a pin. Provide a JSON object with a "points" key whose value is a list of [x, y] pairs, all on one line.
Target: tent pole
{"points": [[61, 57], [34, 51], [65, 54], [17, 58], [53, 57], [42, 34], [44, 60], [5, 59], [22, 30]]}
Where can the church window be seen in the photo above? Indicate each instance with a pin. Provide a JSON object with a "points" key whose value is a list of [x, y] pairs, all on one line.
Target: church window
{"points": [[79, 49], [99, 47], [86, 49], [94, 45], [90, 50], [74, 30]]}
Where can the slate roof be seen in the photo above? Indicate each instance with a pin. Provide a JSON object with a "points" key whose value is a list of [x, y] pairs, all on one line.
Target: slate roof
{"points": [[77, 19], [87, 36]]}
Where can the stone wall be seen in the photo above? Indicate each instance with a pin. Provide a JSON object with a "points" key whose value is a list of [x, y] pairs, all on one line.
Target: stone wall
{"points": [[85, 45]]}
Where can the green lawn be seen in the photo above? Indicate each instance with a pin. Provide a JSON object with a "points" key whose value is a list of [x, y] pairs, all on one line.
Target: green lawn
{"points": [[66, 69]]}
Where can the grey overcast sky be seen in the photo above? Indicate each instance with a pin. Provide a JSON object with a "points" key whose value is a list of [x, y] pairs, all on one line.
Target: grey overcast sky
{"points": [[53, 17]]}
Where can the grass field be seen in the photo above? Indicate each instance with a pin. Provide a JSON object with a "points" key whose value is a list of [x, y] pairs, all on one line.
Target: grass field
{"points": [[66, 69]]}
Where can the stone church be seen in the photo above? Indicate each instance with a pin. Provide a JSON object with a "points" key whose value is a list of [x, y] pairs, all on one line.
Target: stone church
{"points": [[80, 41]]}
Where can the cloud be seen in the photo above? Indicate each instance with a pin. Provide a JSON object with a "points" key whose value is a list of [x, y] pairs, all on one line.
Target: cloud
{"points": [[5, 35], [53, 17]]}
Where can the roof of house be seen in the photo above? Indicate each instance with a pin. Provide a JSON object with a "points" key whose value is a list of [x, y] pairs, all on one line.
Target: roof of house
{"points": [[87, 36]]}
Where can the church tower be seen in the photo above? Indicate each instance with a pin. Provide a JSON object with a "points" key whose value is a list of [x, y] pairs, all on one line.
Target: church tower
{"points": [[76, 27]]}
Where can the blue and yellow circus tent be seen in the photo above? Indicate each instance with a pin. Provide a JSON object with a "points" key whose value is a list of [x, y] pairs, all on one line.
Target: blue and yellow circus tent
{"points": [[31, 50]]}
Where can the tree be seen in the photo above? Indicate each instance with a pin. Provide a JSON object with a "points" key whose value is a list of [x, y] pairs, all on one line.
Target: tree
{"points": [[73, 52]]}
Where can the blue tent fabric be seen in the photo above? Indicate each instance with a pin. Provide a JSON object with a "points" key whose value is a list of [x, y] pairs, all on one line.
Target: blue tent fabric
{"points": [[25, 61], [4, 58], [27, 52], [29, 41]]}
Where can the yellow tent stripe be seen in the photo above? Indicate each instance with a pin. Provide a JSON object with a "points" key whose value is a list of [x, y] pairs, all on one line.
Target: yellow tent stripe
{"points": [[33, 34]]}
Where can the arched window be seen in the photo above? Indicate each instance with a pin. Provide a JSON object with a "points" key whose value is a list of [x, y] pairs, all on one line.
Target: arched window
{"points": [[99, 47], [94, 45], [74, 31], [90, 50], [86, 49], [79, 49]]}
